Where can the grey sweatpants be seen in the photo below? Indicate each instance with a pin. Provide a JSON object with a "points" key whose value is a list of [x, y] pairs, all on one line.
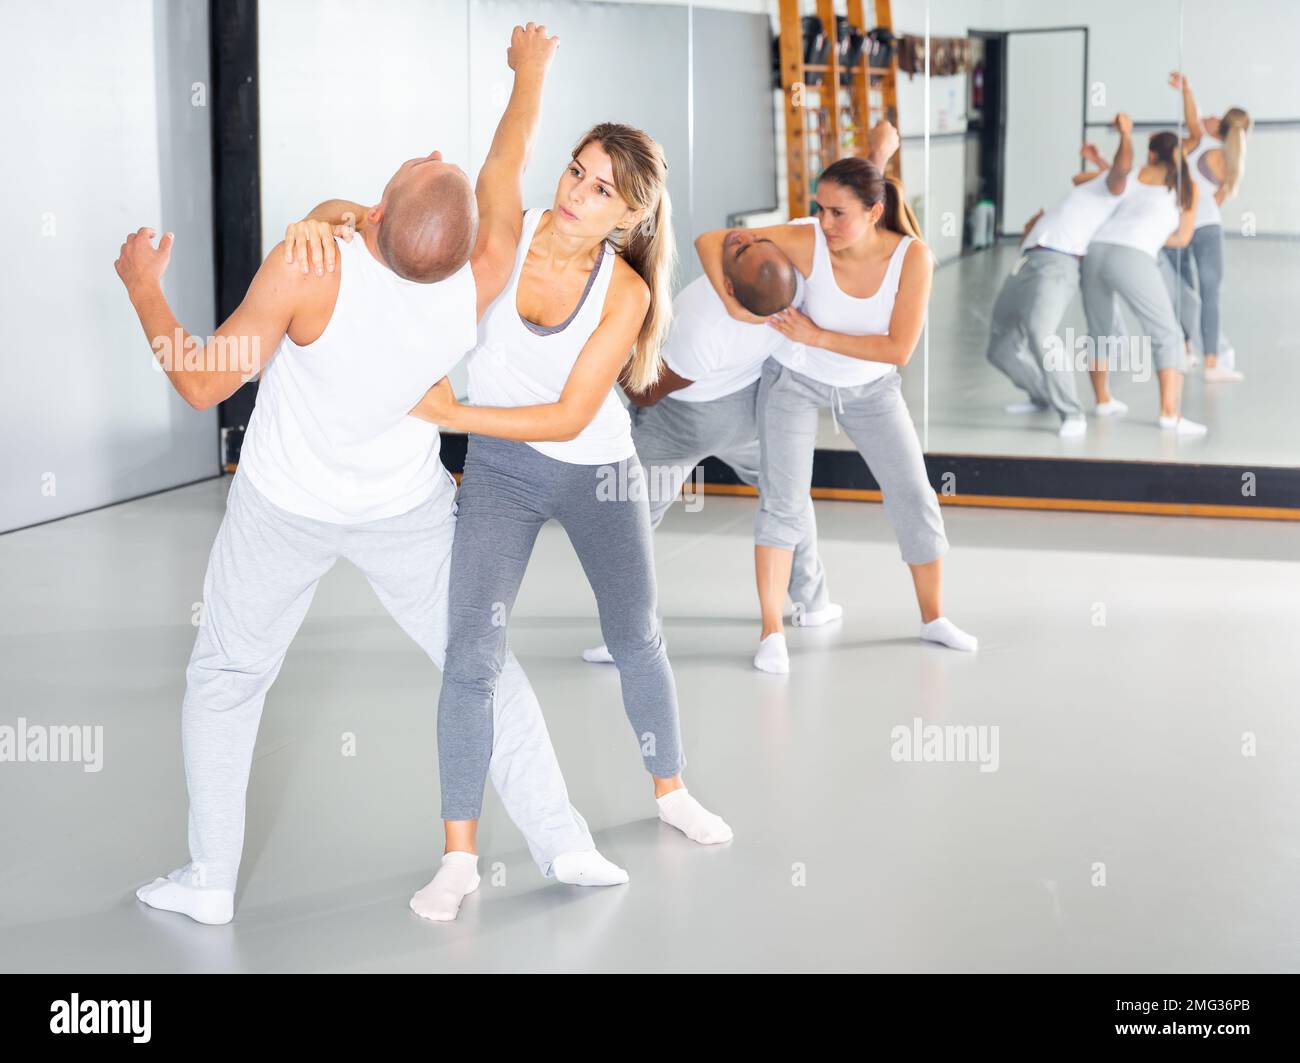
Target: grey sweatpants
{"points": [[673, 436], [1111, 270], [875, 418], [1026, 315], [1182, 294], [508, 491], [262, 574]]}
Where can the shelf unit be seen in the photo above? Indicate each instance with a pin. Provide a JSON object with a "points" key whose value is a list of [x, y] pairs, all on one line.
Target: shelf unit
{"points": [[827, 121]]}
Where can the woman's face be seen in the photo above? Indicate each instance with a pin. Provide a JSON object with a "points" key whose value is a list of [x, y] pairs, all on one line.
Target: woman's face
{"points": [[586, 202], [843, 217]]}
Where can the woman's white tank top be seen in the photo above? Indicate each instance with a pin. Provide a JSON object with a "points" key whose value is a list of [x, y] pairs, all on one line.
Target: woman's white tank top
{"points": [[515, 366], [1146, 217], [832, 309], [1207, 208], [331, 436]]}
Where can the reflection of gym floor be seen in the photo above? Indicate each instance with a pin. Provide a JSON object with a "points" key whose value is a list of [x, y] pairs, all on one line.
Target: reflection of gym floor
{"points": [[1118, 745], [1254, 421]]}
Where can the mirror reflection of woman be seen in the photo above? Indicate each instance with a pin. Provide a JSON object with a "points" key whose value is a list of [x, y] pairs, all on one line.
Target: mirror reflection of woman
{"points": [[868, 282], [1216, 158], [1157, 208]]}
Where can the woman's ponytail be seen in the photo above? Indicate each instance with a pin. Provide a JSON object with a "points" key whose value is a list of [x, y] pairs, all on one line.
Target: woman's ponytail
{"points": [[1168, 149], [1234, 125], [898, 216]]}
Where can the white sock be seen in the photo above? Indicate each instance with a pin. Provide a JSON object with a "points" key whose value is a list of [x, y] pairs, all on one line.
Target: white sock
{"points": [[456, 878], [1111, 408], [772, 655], [1184, 426], [944, 631], [1073, 427], [1223, 374], [587, 868], [679, 809], [600, 655], [181, 892], [1022, 407], [817, 617]]}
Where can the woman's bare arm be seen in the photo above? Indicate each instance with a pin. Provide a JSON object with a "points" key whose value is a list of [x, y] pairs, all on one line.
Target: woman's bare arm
{"points": [[905, 324], [589, 383], [1182, 236], [499, 190], [1191, 113]]}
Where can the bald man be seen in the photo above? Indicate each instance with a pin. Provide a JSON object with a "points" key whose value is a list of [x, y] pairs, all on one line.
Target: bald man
{"points": [[333, 467]]}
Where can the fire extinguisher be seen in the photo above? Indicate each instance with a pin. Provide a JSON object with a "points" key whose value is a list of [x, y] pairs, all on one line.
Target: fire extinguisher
{"points": [[977, 85]]}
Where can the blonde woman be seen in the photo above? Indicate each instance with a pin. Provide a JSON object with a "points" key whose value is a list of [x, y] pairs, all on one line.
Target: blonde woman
{"points": [[587, 302], [1216, 158]]}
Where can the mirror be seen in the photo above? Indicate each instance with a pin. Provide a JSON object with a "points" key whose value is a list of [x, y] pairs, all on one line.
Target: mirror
{"points": [[1017, 364]]}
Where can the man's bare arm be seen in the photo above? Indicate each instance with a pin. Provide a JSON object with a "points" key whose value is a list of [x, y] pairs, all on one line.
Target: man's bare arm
{"points": [[207, 372], [667, 383]]}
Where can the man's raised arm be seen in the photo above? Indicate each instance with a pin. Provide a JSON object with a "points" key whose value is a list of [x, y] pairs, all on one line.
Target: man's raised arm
{"points": [[206, 372]]}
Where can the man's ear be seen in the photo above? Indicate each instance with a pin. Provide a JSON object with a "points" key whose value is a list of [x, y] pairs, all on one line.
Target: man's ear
{"points": [[375, 214], [731, 290]]}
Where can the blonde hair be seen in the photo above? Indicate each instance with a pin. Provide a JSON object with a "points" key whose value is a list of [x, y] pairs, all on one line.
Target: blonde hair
{"points": [[641, 178], [1233, 127]]}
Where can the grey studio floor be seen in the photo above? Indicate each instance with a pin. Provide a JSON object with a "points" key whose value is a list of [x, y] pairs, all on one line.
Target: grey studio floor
{"points": [[1121, 745]]}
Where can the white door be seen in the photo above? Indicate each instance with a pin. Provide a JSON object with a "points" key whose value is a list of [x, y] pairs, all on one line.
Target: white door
{"points": [[1044, 95]]}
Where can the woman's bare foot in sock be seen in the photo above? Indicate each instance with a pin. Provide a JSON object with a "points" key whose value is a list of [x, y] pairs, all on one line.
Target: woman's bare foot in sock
{"points": [[457, 877]]}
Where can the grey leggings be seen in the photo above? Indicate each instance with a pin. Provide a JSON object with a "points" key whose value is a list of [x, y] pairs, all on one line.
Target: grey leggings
{"points": [[508, 492], [1111, 270], [876, 419], [1201, 266]]}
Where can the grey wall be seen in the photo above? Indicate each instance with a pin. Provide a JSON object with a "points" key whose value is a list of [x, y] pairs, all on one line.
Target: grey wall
{"points": [[388, 98], [98, 110], [735, 130]]}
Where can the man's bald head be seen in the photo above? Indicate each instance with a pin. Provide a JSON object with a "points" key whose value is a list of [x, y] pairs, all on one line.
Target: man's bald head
{"points": [[430, 221], [761, 276]]}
